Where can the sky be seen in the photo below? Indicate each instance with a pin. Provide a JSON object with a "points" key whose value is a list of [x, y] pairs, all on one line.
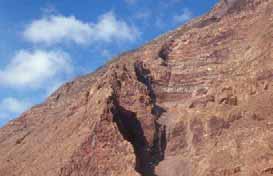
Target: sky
{"points": [[45, 43]]}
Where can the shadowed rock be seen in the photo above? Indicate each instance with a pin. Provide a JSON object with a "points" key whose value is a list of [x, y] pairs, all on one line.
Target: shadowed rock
{"points": [[196, 101]]}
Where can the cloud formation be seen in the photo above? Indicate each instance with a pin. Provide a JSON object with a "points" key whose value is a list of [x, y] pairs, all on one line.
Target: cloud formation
{"points": [[33, 69], [55, 29]]}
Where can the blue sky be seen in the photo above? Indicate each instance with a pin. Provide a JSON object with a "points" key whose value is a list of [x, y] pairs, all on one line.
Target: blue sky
{"points": [[45, 43]]}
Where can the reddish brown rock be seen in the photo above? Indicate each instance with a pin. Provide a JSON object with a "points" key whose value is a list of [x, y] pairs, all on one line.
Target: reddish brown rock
{"points": [[194, 102]]}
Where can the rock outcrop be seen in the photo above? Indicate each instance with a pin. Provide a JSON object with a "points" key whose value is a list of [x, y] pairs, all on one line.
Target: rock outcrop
{"points": [[196, 101]]}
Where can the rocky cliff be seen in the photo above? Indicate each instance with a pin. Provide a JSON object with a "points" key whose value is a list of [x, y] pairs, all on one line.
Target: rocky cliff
{"points": [[196, 101]]}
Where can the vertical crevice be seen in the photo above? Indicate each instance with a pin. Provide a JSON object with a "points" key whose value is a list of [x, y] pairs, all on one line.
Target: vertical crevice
{"points": [[147, 156]]}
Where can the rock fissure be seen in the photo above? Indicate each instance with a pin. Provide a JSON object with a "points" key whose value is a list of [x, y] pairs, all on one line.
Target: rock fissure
{"points": [[147, 157], [207, 86]]}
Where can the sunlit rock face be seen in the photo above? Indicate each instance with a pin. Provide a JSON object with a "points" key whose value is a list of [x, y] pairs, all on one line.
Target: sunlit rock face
{"points": [[194, 102]]}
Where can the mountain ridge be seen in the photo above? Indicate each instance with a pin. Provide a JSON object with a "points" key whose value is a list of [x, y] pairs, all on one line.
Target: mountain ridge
{"points": [[195, 101]]}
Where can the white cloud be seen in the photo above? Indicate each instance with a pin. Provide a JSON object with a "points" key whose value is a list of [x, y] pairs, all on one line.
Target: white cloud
{"points": [[11, 106], [183, 17], [56, 29], [35, 69], [109, 28]]}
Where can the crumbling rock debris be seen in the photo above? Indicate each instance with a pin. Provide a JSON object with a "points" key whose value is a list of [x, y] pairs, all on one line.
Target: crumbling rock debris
{"points": [[196, 101]]}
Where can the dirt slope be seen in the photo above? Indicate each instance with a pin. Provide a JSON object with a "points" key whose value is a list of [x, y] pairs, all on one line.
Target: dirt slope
{"points": [[196, 101]]}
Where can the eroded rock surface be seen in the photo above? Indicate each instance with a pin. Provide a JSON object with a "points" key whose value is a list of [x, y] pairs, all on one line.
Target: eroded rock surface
{"points": [[194, 102]]}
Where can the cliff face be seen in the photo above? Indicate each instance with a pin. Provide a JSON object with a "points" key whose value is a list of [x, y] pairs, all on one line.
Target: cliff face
{"points": [[194, 102]]}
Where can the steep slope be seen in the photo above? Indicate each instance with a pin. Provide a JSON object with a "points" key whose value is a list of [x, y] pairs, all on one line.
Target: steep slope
{"points": [[194, 102]]}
